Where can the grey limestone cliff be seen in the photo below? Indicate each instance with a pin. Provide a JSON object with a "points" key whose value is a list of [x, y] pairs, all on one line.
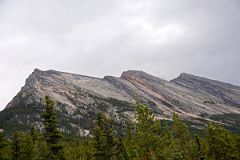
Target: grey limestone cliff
{"points": [[78, 98]]}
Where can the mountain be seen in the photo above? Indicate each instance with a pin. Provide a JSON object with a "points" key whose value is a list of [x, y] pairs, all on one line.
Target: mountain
{"points": [[79, 98]]}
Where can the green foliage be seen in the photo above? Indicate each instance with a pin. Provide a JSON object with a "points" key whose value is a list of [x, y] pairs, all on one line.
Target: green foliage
{"points": [[51, 132], [80, 149], [146, 134], [148, 138], [222, 144], [22, 146], [15, 119], [5, 148], [104, 139], [40, 150], [232, 121]]}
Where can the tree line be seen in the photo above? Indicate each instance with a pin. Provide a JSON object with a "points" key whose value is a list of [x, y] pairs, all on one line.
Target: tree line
{"points": [[145, 139]]}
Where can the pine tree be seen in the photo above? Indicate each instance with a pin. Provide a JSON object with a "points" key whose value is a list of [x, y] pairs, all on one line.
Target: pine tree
{"points": [[2, 141], [129, 142], [51, 133], [22, 146], [26, 147], [222, 144], [181, 137], [5, 148], [104, 141], [39, 151], [34, 134], [16, 146], [121, 153], [198, 148], [147, 133]]}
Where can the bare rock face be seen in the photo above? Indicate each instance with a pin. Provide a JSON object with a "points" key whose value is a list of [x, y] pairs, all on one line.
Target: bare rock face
{"points": [[225, 93], [79, 98], [187, 95]]}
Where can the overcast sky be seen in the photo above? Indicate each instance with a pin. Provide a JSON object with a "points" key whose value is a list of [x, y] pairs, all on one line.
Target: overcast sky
{"points": [[105, 37]]}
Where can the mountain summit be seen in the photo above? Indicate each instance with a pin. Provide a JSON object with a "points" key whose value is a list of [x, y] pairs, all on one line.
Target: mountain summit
{"points": [[79, 98]]}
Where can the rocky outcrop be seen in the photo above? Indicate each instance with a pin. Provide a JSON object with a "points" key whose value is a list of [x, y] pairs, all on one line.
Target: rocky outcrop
{"points": [[225, 93], [78, 98]]}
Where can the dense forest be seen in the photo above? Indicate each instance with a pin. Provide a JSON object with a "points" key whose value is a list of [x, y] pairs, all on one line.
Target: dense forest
{"points": [[145, 139]]}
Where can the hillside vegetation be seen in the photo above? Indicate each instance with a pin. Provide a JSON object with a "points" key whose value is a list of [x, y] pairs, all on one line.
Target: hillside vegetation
{"points": [[145, 139]]}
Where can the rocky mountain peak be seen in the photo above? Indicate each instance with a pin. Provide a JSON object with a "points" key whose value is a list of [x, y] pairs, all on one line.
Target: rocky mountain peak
{"points": [[36, 76], [37, 70], [80, 97], [185, 75], [136, 75], [133, 72], [33, 78], [197, 80]]}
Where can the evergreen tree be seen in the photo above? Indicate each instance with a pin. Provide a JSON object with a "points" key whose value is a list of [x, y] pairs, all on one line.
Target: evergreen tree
{"points": [[22, 146], [2, 143], [34, 134], [104, 139], [198, 148], [40, 151], [147, 133], [181, 137], [5, 150], [26, 147], [222, 144], [145, 139], [129, 143], [81, 149], [121, 150], [16, 146], [51, 133]]}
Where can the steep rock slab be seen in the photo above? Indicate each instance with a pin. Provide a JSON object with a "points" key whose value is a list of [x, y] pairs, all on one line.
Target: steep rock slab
{"points": [[79, 98]]}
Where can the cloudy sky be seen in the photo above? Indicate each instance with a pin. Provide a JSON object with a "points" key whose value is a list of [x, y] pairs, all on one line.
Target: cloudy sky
{"points": [[105, 37]]}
